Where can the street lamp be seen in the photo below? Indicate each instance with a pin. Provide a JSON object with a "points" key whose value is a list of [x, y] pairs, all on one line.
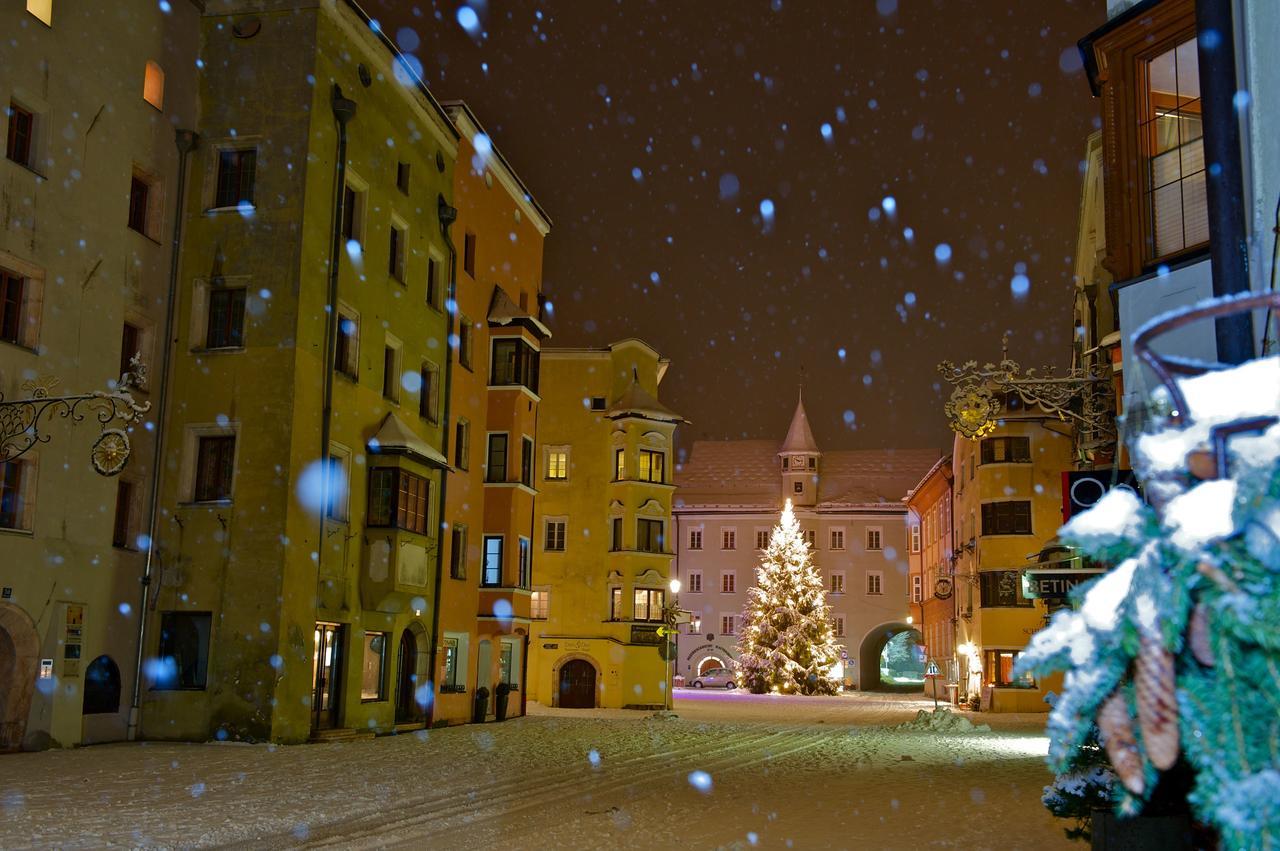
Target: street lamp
{"points": [[670, 616]]}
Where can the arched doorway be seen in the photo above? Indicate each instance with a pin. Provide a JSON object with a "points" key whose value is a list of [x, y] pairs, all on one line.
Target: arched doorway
{"points": [[411, 669], [888, 661], [101, 687], [577, 685], [19, 649], [708, 663]]}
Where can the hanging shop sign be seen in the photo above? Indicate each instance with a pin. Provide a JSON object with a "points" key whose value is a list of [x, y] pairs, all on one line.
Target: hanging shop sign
{"points": [[646, 635], [1055, 584], [1082, 488], [944, 587]]}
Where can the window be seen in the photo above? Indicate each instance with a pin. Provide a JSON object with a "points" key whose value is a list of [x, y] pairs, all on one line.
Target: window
{"points": [[837, 539], [727, 624], [695, 539], [469, 254], [875, 582], [597, 403], [462, 444], [17, 481], [728, 582], [652, 466], [506, 664], [42, 9], [391, 372], [786, 462], [554, 535], [395, 259], [121, 531], [649, 603], [558, 463], [619, 465], [997, 668], [453, 671], [813, 463], [525, 563], [429, 393], [695, 625], [139, 193], [433, 283], [1000, 450], [539, 604], [101, 687], [695, 582], [762, 539], [1171, 135], [839, 626], [346, 355], [236, 174], [22, 133], [798, 487], [526, 461], [874, 538], [215, 467], [496, 460], [615, 542], [465, 332], [399, 499], [1006, 518], [458, 552], [811, 538], [12, 302], [915, 537], [615, 604], [130, 345], [1002, 589], [837, 583], [728, 539], [184, 651], [515, 363], [352, 215], [492, 576], [402, 177], [337, 507], [372, 685], [649, 538], [226, 318], [917, 588], [153, 84]]}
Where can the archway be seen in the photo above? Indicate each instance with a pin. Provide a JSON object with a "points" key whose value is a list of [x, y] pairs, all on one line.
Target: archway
{"points": [[576, 685], [708, 663], [101, 687], [892, 671], [411, 675], [19, 658]]}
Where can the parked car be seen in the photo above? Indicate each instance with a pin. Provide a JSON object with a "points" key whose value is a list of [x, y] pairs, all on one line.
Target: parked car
{"points": [[715, 678]]}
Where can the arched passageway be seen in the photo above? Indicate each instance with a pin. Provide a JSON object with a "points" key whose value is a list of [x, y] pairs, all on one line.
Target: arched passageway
{"points": [[889, 659]]}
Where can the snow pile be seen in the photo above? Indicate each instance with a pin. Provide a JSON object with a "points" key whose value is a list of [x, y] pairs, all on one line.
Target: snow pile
{"points": [[942, 721]]}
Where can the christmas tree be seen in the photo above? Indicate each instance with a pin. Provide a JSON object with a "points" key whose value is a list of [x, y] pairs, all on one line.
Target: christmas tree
{"points": [[1172, 659], [787, 643]]}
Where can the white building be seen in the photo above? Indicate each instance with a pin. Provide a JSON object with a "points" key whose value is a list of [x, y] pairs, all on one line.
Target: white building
{"points": [[849, 504]]}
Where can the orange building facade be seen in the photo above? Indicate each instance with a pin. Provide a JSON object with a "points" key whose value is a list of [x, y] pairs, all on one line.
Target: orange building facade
{"points": [[931, 587], [491, 390]]}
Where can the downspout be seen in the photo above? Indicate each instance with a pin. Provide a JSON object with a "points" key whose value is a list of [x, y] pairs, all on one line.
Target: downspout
{"points": [[186, 141], [1224, 174], [448, 215]]}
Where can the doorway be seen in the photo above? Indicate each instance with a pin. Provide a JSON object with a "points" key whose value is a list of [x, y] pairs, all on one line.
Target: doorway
{"points": [[484, 670], [326, 675], [408, 709], [709, 663], [577, 685], [19, 647]]}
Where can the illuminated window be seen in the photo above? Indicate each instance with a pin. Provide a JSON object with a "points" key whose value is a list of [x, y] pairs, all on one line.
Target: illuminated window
{"points": [[372, 682], [539, 604], [153, 85], [558, 463], [1172, 139], [42, 9]]}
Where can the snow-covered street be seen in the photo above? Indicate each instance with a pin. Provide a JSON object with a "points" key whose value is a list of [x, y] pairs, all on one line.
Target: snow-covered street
{"points": [[779, 772]]}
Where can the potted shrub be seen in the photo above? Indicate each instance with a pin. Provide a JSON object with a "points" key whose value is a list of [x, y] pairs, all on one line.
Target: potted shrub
{"points": [[481, 706], [501, 694]]}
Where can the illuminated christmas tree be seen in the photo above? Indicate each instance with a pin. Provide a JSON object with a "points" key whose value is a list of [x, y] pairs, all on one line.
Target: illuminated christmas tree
{"points": [[787, 643]]}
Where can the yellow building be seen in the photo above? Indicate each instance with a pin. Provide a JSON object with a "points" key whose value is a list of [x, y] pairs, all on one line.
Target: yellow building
{"points": [[1007, 489], [298, 548], [603, 561]]}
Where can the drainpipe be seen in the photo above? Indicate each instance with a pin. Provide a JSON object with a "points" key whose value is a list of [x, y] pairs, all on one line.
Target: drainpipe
{"points": [[448, 215], [1228, 249], [186, 141]]}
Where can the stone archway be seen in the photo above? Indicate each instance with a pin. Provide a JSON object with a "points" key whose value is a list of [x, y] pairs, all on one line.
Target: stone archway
{"points": [[708, 663], [873, 644], [19, 661]]}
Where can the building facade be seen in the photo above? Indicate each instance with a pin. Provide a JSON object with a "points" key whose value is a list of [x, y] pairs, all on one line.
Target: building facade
{"points": [[603, 556], [89, 188], [492, 404], [299, 538], [931, 585], [849, 505]]}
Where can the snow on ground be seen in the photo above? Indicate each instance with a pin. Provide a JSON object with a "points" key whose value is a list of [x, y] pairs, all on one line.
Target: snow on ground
{"points": [[819, 772]]}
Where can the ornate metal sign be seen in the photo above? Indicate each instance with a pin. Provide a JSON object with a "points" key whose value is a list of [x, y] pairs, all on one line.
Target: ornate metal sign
{"points": [[21, 419]]}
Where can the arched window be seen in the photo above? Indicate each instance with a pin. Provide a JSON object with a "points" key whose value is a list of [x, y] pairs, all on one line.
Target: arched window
{"points": [[101, 687]]}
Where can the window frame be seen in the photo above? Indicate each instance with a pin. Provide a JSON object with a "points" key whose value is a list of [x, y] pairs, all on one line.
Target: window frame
{"points": [[383, 639], [694, 578], [462, 443], [222, 188], [400, 493], [204, 643], [230, 331], [458, 551], [729, 538], [497, 456], [874, 583], [550, 467], [18, 478], [695, 539], [1015, 449], [645, 613], [993, 523], [487, 566], [217, 490], [876, 544], [555, 530], [837, 582], [429, 393], [646, 539], [648, 457], [22, 140], [835, 539], [728, 582]]}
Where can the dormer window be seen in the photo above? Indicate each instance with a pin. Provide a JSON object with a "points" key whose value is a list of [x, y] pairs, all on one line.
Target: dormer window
{"points": [[813, 463]]}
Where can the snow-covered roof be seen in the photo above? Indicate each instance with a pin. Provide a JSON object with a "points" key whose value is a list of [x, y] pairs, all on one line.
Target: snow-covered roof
{"points": [[799, 436], [396, 438], [747, 473], [504, 311], [637, 402]]}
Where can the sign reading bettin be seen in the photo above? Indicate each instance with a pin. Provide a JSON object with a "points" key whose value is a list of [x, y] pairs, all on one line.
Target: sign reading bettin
{"points": [[1054, 584]]}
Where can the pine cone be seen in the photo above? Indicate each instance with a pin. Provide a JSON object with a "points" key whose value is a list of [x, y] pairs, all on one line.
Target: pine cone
{"points": [[1198, 636], [1154, 687], [1116, 728]]}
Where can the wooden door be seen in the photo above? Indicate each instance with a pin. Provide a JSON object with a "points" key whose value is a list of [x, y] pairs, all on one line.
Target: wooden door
{"points": [[577, 685], [327, 672], [407, 709]]}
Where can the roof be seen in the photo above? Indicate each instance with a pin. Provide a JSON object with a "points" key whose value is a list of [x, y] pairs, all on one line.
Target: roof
{"points": [[504, 311], [396, 438], [635, 401], [465, 121], [799, 436], [746, 473]]}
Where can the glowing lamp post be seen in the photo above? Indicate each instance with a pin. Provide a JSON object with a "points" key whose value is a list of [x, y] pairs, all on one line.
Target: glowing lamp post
{"points": [[671, 617]]}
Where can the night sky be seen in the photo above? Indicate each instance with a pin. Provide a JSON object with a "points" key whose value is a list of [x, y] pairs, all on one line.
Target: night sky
{"points": [[657, 135]]}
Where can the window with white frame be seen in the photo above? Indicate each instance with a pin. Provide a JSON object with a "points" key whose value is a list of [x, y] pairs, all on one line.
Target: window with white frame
{"points": [[728, 582], [695, 582], [695, 625], [695, 538], [554, 528], [915, 537], [875, 538], [540, 603], [728, 624], [839, 626], [875, 582], [557, 463], [811, 538], [337, 504], [917, 588], [762, 539], [728, 539], [837, 582], [837, 539], [456, 662]]}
